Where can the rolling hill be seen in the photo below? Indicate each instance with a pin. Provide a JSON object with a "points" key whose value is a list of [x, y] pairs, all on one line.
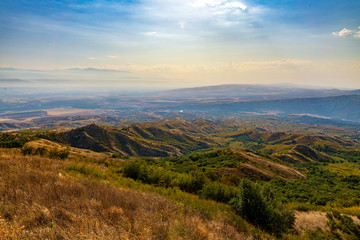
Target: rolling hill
{"points": [[168, 138]]}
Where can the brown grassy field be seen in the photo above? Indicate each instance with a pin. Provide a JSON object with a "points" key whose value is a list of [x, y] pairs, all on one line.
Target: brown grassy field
{"points": [[39, 201]]}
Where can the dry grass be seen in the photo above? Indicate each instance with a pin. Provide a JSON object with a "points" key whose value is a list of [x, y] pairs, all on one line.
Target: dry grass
{"points": [[38, 202], [313, 220], [310, 220]]}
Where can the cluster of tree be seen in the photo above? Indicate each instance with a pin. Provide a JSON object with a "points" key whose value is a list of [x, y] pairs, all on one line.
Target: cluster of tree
{"points": [[193, 182], [150, 174], [262, 207], [8, 140], [224, 158], [332, 189]]}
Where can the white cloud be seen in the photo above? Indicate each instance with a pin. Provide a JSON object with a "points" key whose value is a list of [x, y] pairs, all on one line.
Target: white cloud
{"points": [[158, 34], [192, 11], [205, 3], [111, 56], [91, 58], [150, 33], [218, 4], [219, 7], [347, 32], [357, 34], [343, 33], [234, 5]]}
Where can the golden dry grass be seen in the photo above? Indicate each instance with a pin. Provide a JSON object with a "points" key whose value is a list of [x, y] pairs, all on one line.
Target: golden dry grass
{"points": [[38, 202], [310, 220]]}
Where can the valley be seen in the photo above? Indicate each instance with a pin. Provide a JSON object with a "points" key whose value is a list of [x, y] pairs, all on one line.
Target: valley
{"points": [[202, 165]]}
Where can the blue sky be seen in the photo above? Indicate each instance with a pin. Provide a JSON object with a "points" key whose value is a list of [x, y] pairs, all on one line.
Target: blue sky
{"points": [[168, 43]]}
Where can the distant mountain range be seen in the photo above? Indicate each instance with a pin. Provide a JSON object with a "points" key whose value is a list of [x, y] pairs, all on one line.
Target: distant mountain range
{"points": [[346, 107], [187, 103], [252, 91]]}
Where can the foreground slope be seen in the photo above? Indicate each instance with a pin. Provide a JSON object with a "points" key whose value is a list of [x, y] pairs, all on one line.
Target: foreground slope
{"points": [[40, 202]]}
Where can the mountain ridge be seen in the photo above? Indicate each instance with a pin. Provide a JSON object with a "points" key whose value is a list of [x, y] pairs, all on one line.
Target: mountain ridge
{"points": [[253, 91], [140, 139]]}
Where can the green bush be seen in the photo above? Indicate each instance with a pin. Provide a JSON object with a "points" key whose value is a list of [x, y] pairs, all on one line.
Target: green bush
{"points": [[60, 154], [192, 182], [218, 192], [43, 151], [140, 170], [134, 170], [8, 140], [260, 206], [85, 169], [27, 150]]}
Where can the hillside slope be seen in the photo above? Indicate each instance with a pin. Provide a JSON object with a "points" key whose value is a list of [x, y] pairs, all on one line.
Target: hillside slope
{"points": [[274, 138], [168, 138], [44, 202]]}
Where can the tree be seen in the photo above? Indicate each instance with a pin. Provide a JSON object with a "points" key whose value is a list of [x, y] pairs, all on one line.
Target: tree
{"points": [[261, 206]]}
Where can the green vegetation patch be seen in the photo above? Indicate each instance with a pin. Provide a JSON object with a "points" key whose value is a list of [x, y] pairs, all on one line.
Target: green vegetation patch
{"points": [[8, 140], [348, 155], [262, 207], [344, 169], [219, 159], [321, 187], [46, 152], [85, 170]]}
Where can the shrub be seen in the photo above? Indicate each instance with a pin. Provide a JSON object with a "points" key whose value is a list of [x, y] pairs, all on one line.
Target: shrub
{"points": [[140, 170], [218, 192], [42, 151], [261, 207], [192, 182], [27, 150], [8, 140], [133, 170], [86, 170], [342, 225], [60, 154]]}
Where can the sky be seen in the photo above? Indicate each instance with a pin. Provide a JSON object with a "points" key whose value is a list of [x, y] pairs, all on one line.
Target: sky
{"points": [[161, 44]]}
